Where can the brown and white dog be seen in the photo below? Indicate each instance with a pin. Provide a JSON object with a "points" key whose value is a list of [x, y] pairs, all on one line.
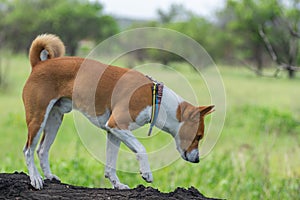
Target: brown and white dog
{"points": [[51, 91]]}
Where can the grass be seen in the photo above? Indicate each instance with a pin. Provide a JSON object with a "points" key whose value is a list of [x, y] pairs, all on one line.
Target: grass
{"points": [[256, 157]]}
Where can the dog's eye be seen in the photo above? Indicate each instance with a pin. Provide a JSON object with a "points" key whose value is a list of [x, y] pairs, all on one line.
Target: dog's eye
{"points": [[198, 137]]}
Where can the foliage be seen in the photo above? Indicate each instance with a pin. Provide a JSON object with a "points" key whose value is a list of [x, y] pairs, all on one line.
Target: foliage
{"points": [[198, 28], [72, 20], [176, 12], [244, 19], [282, 38], [264, 120], [233, 34]]}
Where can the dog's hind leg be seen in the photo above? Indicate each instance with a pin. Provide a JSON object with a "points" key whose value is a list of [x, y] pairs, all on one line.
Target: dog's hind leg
{"points": [[35, 123], [112, 149], [52, 125], [34, 132]]}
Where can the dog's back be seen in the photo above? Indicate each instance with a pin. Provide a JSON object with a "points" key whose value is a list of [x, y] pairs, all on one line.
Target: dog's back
{"points": [[54, 77]]}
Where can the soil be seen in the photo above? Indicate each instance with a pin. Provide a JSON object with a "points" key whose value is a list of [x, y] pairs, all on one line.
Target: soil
{"points": [[17, 186]]}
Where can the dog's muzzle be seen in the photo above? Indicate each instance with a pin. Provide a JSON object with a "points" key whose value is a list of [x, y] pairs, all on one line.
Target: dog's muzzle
{"points": [[192, 156]]}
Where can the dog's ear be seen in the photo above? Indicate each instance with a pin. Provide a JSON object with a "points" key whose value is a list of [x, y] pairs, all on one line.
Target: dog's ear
{"points": [[205, 110], [185, 111]]}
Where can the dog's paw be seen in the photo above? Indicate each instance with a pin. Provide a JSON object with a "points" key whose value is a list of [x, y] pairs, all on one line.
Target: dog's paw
{"points": [[147, 177], [52, 177], [121, 186], [36, 182]]}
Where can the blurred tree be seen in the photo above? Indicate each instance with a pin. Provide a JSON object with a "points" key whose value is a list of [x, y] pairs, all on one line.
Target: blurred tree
{"points": [[246, 16], [264, 24], [282, 38], [180, 19], [176, 12], [72, 20], [199, 29]]}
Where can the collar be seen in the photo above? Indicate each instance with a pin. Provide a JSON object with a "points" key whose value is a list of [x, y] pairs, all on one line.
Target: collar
{"points": [[157, 92]]}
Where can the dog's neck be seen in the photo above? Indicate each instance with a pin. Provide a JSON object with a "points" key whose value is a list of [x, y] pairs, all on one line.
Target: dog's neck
{"points": [[167, 119]]}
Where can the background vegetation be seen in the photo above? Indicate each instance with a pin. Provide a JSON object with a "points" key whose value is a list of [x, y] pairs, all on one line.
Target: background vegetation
{"points": [[72, 20], [257, 155], [257, 32]]}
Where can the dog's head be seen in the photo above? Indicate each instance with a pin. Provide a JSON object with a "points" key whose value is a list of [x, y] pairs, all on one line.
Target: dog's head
{"points": [[191, 129]]}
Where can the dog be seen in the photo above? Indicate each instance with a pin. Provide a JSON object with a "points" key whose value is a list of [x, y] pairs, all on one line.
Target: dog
{"points": [[120, 101]]}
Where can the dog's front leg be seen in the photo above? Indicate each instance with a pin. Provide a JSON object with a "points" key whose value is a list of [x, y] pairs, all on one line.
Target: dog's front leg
{"points": [[112, 149], [132, 143]]}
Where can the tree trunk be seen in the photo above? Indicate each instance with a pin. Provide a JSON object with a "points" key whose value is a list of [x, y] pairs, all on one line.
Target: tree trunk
{"points": [[72, 49], [291, 72], [293, 53], [259, 59]]}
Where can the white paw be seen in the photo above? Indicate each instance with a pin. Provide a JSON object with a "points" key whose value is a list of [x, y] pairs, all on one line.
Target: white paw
{"points": [[121, 186], [52, 177], [36, 182], [147, 176]]}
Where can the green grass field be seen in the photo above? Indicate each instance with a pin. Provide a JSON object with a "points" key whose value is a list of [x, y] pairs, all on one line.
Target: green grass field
{"points": [[256, 157]]}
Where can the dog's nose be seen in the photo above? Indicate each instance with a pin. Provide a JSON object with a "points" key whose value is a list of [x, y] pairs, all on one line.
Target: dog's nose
{"points": [[193, 156]]}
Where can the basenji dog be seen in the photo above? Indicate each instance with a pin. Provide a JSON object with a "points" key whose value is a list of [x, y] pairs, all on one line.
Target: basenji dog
{"points": [[115, 99]]}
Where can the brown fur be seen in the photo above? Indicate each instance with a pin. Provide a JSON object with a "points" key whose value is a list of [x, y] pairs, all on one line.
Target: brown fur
{"points": [[54, 78]]}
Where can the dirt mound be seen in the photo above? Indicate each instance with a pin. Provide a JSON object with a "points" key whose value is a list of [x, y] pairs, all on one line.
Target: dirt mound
{"points": [[17, 186]]}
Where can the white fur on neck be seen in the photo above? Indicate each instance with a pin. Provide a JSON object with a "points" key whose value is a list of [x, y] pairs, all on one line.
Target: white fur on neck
{"points": [[167, 120]]}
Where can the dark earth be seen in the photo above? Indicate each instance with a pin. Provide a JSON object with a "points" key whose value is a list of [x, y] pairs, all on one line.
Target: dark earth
{"points": [[17, 186]]}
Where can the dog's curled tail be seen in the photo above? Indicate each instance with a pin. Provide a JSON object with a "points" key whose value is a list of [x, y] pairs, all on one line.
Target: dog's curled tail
{"points": [[45, 46]]}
